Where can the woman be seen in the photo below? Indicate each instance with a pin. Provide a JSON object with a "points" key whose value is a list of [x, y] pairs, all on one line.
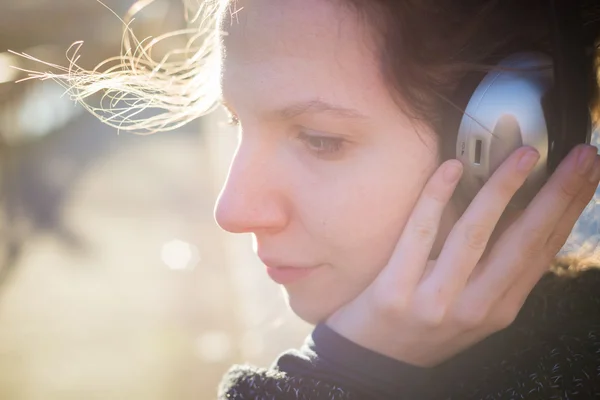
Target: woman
{"points": [[356, 195], [340, 178]]}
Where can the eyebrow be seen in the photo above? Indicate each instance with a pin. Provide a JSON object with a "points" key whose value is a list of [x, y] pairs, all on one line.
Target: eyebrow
{"points": [[317, 106], [314, 106]]}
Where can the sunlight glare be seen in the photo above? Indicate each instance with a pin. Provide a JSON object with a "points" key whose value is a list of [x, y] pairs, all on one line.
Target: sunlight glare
{"points": [[179, 255]]}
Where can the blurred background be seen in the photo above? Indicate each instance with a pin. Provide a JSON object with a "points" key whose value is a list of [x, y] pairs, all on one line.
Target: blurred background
{"points": [[115, 282]]}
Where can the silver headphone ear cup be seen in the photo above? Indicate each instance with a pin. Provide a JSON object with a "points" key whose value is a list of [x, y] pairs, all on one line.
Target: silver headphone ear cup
{"points": [[504, 113]]}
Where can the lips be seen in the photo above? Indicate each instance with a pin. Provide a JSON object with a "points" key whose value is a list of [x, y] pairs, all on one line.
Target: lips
{"points": [[288, 275]]}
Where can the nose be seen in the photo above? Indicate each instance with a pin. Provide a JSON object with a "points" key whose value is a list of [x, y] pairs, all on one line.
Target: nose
{"points": [[252, 199]]}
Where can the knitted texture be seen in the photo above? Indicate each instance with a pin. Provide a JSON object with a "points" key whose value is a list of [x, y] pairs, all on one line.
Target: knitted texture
{"points": [[551, 351], [244, 382]]}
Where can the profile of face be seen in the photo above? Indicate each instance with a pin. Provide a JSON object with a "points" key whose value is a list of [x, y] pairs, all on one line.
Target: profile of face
{"points": [[328, 167]]}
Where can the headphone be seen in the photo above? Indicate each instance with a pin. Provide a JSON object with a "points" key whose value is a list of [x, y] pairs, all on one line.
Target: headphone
{"points": [[529, 99]]}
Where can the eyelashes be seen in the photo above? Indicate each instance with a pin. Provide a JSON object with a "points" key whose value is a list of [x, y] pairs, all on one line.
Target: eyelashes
{"points": [[320, 145]]}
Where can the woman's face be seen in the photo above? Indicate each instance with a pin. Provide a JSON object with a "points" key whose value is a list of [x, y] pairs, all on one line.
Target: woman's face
{"points": [[328, 168]]}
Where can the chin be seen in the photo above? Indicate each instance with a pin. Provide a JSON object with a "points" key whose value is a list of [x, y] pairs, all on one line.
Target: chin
{"points": [[310, 309]]}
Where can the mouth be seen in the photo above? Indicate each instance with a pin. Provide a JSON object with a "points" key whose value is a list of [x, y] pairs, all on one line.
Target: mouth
{"points": [[285, 275]]}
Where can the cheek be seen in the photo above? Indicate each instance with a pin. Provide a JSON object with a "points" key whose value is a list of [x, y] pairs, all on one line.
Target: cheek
{"points": [[361, 221], [377, 218]]}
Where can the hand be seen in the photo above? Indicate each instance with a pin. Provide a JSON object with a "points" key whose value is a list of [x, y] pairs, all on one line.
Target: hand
{"points": [[422, 311]]}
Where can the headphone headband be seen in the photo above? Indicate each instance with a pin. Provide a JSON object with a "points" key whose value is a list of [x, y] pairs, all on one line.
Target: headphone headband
{"points": [[573, 70]]}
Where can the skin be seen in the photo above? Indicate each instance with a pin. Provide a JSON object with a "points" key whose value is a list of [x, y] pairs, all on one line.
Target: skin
{"points": [[400, 269], [342, 211]]}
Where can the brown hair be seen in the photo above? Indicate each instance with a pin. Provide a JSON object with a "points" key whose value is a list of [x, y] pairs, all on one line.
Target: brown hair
{"points": [[426, 48]]}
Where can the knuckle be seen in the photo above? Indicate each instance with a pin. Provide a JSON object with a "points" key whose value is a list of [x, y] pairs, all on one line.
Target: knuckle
{"points": [[534, 241], [567, 189], [425, 229], [476, 236], [389, 305], [471, 317], [505, 318], [432, 308], [582, 201], [532, 250], [431, 316]]}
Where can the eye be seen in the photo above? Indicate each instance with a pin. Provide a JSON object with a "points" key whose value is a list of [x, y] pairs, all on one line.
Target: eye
{"points": [[321, 145]]}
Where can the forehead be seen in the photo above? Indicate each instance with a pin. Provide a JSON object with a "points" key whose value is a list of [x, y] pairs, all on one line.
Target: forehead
{"points": [[314, 42], [258, 28]]}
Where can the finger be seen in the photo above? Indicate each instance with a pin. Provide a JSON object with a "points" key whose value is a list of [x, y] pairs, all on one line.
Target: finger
{"points": [[469, 237], [565, 225], [553, 200], [524, 242], [517, 294], [407, 263]]}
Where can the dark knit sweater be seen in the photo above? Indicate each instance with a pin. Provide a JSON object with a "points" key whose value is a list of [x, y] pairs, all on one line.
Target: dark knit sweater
{"points": [[551, 351]]}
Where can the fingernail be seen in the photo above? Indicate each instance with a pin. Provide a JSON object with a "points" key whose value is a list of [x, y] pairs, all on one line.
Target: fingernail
{"points": [[595, 176], [585, 161], [452, 171], [528, 160]]}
